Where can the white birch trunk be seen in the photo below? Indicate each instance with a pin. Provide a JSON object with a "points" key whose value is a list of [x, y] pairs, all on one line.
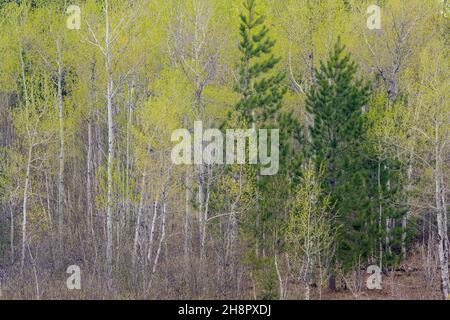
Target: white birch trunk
{"points": [[187, 217], [201, 202], [127, 169], [380, 216], [280, 279], [441, 219], [138, 222], [27, 177], [409, 213], [11, 237], [89, 197], [24, 209], [161, 240], [109, 213], [61, 154], [152, 232]]}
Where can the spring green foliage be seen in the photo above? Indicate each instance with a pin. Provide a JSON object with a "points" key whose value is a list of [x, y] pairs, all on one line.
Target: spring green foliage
{"points": [[310, 226], [364, 132]]}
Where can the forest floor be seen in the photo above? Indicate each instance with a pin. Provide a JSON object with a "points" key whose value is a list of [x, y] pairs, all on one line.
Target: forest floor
{"points": [[410, 281], [417, 278]]}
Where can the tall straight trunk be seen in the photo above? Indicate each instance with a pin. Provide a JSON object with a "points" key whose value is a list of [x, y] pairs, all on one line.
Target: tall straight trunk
{"points": [[201, 208], [388, 235], [441, 218], [61, 154], [390, 222], [234, 234], [311, 45], [206, 206], [187, 218], [442, 246], [11, 237], [444, 215], [152, 232], [109, 213], [138, 221], [233, 253], [127, 168], [161, 239], [307, 253], [24, 209], [380, 215], [409, 213], [280, 279], [89, 177], [89, 197], [27, 177]]}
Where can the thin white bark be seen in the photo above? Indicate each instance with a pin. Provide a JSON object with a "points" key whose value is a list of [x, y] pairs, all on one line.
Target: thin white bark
{"points": [[380, 215], [441, 218], [201, 206], [90, 210], [152, 231], [24, 208], [280, 279], [110, 92], [36, 280], [161, 240], [61, 152], [27, 177], [11, 237], [128, 159], [138, 221], [409, 213], [187, 218]]}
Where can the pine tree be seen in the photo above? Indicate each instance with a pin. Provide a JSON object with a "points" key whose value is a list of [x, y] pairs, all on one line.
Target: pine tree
{"points": [[336, 102], [261, 89]]}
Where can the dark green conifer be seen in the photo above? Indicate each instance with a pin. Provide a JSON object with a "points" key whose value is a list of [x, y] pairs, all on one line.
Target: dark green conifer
{"points": [[338, 136]]}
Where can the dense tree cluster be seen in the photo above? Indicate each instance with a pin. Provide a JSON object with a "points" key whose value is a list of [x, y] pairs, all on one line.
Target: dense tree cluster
{"points": [[86, 118]]}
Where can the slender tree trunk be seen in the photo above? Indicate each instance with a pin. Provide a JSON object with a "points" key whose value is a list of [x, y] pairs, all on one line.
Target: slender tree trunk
{"points": [[308, 249], [441, 219], [280, 279], [161, 240], [11, 237], [380, 215], [27, 177], [152, 232], [206, 207], [89, 197], [36, 281], [109, 217], [61, 154], [187, 218], [201, 207], [138, 222], [127, 169], [311, 45], [24, 209], [408, 214], [445, 216], [233, 240]]}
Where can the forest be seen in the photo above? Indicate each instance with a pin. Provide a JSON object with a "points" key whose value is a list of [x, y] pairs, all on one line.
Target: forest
{"points": [[352, 96]]}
